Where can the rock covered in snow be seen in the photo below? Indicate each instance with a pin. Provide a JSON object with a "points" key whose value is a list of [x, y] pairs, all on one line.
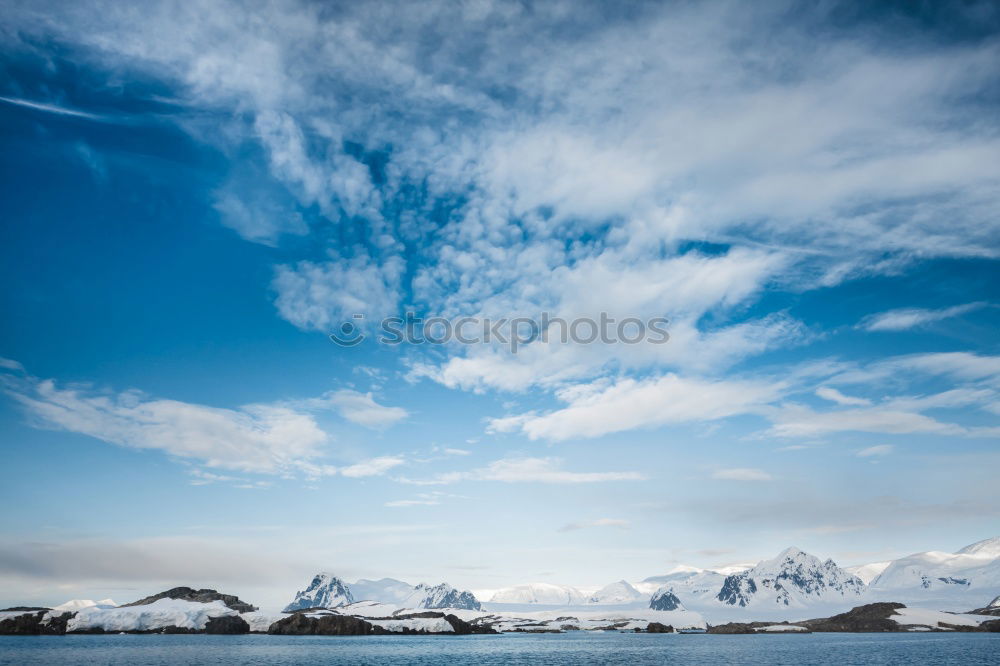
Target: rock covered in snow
{"points": [[793, 578], [202, 596], [664, 599], [164, 614], [325, 591], [440, 596]]}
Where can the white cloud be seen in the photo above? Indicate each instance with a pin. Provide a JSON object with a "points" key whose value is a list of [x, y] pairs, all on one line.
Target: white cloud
{"points": [[54, 108], [579, 183], [203, 478], [878, 450], [362, 409], [412, 502], [836, 396], [527, 470], [256, 214], [798, 421], [372, 467], [322, 296], [423, 499], [260, 438], [907, 318], [599, 409], [742, 474], [600, 522], [11, 364]]}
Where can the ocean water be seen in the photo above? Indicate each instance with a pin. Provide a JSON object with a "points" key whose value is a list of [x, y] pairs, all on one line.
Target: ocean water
{"points": [[967, 649]]}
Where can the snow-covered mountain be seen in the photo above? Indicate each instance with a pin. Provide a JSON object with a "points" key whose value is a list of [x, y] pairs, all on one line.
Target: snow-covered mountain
{"points": [[619, 592], [970, 575], [79, 604], [540, 593], [440, 596], [867, 572], [385, 590], [689, 583], [793, 578], [987, 548], [664, 599], [325, 591]]}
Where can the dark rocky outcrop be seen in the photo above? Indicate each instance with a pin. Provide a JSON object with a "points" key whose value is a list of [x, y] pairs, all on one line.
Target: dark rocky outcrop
{"points": [[734, 628], [990, 625], [462, 627], [14, 609], [868, 618], [227, 624], [992, 609], [301, 624], [659, 628], [201, 596], [32, 624]]}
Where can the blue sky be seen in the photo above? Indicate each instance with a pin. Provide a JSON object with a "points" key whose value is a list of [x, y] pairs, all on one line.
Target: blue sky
{"points": [[195, 195]]}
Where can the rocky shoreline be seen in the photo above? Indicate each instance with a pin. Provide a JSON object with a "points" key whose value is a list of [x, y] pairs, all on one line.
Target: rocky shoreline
{"points": [[870, 618]]}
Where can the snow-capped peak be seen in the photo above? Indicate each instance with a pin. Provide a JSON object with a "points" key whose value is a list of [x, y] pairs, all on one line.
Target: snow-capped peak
{"points": [[987, 548], [440, 596], [664, 599], [619, 592], [325, 591], [79, 604], [793, 578]]}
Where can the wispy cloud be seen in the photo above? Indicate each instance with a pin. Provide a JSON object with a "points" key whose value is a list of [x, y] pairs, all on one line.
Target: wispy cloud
{"points": [[372, 467], [600, 522], [906, 318], [272, 439], [527, 470], [55, 109], [361, 408], [878, 450], [599, 409], [742, 474], [836, 396], [259, 438]]}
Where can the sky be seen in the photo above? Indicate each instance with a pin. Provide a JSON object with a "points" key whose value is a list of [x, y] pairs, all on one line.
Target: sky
{"points": [[194, 196]]}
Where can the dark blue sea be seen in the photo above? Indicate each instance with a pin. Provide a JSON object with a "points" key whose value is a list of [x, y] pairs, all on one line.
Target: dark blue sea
{"points": [[966, 649]]}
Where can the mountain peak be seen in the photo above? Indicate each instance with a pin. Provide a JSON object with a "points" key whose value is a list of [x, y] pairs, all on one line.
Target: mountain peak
{"points": [[793, 578], [325, 591], [664, 599], [619, 592], [792, 553], [985, 548], [441, 596]]}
